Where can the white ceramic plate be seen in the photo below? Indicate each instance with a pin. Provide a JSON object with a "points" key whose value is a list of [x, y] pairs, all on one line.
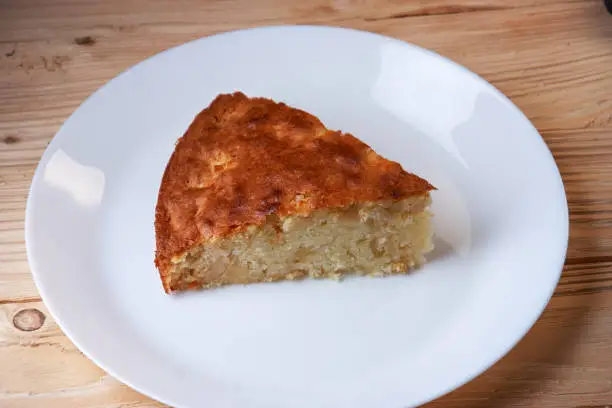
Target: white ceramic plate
{"points": [[501, 230]]}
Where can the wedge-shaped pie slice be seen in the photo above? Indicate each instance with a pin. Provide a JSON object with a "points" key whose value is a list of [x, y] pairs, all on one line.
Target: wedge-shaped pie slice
{"points": [[257, 191]]}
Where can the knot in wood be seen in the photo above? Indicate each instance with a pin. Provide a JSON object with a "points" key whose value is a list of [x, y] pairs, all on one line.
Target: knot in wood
{"points": [[29, 320]]}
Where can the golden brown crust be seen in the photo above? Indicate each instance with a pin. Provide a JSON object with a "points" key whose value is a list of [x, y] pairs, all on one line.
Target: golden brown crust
{"points": [[243, 159]]}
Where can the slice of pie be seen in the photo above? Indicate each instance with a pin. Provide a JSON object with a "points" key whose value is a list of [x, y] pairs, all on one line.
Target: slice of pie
{"points": [[257, 191]]}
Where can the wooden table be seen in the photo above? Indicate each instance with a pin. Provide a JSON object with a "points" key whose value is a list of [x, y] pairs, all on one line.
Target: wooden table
{"points": [[553, 58]]}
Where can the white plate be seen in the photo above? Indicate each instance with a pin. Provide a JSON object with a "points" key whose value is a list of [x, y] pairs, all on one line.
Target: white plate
{"points": [[501, 226]]}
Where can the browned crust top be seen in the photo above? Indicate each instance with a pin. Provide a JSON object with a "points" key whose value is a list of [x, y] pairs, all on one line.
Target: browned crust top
{"points": [[243, 159]]}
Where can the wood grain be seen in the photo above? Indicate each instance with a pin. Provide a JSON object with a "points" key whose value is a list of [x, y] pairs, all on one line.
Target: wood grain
{"points": [[43, 368], [552, 58]]}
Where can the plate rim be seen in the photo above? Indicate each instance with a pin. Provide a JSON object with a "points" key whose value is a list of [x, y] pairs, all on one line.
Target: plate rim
{"points": [[467, 377]]}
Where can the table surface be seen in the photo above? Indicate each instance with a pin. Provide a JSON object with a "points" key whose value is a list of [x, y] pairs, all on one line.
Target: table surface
{"points": [[553, 58]]}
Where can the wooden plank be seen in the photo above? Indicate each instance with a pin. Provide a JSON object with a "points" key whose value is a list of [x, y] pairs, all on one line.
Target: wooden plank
{"points": [[16, 282], [557, 364], [42, 367], [564, 361], [587, 175], [580, 155], [45, 78]]}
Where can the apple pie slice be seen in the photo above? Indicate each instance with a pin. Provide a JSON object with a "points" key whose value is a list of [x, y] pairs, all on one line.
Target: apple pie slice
{"points": [[257, 191]]}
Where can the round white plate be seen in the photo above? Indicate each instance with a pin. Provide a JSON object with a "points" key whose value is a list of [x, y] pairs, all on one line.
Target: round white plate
{"points": [[500, 221]]}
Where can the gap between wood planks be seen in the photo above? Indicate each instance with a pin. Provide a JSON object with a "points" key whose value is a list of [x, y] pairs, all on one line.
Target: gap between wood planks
{"points": [[588, 260], [445, 10], [438, 11], [20, 301]]}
